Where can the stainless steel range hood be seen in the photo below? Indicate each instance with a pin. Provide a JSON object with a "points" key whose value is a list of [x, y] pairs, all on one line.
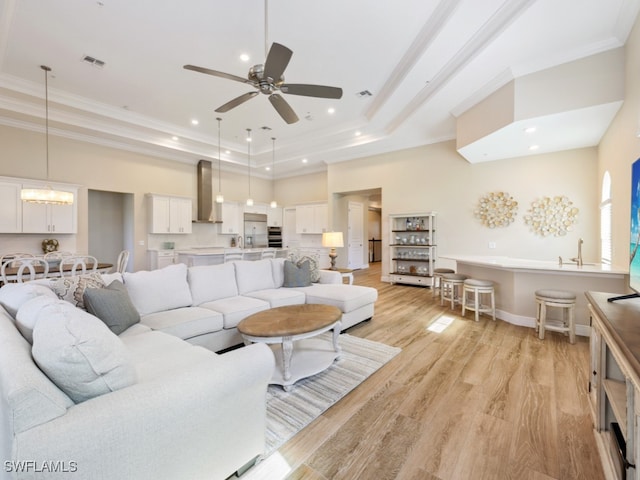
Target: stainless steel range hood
{"points": [[208, 212]]}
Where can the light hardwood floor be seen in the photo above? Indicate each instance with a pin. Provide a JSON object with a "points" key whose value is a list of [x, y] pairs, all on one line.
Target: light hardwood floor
{"points": [[484, 400]]}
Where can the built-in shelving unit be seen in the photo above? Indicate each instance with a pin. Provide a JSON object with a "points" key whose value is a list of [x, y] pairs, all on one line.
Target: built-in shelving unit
{"points": [[412, 248]]}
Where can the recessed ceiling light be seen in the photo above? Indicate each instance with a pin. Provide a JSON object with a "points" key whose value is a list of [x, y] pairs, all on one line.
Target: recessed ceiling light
{"points": [[529, 129], [267, 168], [194, 122], [534, 147], [227, 152], [331, 110], [358, 133], [244, 57], [174, 138], [304, 160]]}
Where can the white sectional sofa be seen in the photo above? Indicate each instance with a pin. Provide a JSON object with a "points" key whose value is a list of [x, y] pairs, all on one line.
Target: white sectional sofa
{"points": [[130, 392], [204, 304]]}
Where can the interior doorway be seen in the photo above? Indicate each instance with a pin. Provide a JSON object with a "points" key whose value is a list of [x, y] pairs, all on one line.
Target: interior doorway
{"points": [[111, 227]]}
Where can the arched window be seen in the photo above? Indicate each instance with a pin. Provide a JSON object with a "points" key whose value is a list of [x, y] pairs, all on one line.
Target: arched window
{"points": [[605, 220]]}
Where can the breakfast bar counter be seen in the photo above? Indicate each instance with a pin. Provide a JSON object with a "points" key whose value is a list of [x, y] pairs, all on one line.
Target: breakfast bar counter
{"points": [[517, 279]]}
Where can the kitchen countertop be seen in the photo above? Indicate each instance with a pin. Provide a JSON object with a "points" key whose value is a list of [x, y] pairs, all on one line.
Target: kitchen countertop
{"points": [[218, 250], [511, 263]]}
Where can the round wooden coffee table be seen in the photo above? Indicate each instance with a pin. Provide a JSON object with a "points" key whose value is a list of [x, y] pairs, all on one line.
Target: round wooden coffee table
{"points": [[281, 326]]}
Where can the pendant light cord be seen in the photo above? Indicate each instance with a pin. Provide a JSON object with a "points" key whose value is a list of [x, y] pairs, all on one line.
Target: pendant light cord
{"points": [[249, 158], [219, 170], [46, 114]]}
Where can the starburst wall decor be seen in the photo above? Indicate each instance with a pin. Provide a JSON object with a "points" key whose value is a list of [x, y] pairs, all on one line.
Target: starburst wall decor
{"points": [[551, 216], [496, 209]]}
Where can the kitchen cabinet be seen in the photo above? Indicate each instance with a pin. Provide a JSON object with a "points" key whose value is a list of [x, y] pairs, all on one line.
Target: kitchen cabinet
{"points": [[230, 216], [412, 248], [169, 214], [161, 258], [274, 217], [614, 383], [10, 207], [45, 218], [313, 218], [255, 208]]}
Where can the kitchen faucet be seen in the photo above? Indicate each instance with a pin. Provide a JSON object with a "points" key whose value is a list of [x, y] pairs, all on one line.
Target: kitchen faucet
{"points": [[578, 259]]}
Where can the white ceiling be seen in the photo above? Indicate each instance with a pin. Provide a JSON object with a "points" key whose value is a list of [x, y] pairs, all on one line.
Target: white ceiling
{"points": [[424, 62]]}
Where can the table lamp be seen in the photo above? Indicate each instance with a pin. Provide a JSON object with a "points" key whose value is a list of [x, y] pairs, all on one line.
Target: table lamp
{"points": [[332, 240]]}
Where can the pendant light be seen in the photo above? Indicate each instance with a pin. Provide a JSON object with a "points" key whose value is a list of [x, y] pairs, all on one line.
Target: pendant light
{"points": [[249, 199], [47, 194], [273, 203], [219, 196]]}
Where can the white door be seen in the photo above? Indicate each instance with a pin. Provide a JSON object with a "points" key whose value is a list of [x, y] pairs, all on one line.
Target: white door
{"points": [[355, 240]]}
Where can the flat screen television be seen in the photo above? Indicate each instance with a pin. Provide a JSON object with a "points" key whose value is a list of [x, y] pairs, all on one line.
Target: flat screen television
{"points": [[634, 228]]}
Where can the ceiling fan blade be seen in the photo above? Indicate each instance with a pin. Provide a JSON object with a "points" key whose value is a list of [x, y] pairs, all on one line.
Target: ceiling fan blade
{"points": [[320, 91], [235, 102], [276, 62], [215, 73], [283, 108]]}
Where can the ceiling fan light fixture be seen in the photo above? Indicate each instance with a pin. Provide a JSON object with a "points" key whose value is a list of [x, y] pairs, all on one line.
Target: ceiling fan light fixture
{"points": [[46, 195]]}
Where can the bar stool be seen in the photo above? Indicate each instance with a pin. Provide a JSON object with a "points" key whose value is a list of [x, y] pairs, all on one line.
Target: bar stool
{"points": [[451, 288], [477, 288], [437, 279], [562, 299]]}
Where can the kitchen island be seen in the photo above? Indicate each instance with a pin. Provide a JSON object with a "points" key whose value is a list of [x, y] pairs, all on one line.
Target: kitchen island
{"points": [[517, 279], [196, 256]]}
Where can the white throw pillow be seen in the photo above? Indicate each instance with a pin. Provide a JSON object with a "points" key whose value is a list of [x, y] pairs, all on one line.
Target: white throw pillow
{"points": [[30, 311], [254, 275], [14, 295], [159, 290], [79, 353], [107, 278], [212, 282]]}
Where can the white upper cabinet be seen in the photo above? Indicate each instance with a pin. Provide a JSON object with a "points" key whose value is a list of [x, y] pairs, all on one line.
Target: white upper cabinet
{"points": [[312, 218], [274, 217], [43, 218], [230, 216], [169, 214], [10, 208]]}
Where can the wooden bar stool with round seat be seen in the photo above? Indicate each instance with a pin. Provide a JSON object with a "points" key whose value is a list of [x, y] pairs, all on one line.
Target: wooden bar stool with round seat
{"points": [[437, 279], [476, 288], [451, 288], [562, 299]]}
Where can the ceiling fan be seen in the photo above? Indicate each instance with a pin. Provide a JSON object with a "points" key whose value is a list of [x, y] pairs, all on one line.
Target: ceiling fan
{"points": [[269, 80]]}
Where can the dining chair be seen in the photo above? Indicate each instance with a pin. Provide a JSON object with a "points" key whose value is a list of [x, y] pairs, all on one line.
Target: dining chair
{"points": [[233, 254], [15, 256], [269, 253], [77, 265], [122, 262], [13, 270]]}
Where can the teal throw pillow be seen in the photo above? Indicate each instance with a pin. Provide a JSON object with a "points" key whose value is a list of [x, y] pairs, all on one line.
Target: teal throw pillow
{"points": [[297, 275]]}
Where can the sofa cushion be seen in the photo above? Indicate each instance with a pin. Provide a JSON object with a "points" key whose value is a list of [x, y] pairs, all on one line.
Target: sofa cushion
{"points": [[279, 297], [112, 305], [29, 312], [277, 270], [13, 295], [186, 322], [236, 309], [212, 282], [297, 275], [253, 275], [79, 353], [345, 297], [72, 288], [158, 290]]}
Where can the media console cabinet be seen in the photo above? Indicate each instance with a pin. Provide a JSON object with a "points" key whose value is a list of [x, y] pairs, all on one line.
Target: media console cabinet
{"points": [[614, 382]]}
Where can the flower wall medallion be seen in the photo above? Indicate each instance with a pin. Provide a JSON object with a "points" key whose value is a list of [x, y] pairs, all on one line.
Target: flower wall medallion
{"points": [[496, 209], [551, 216]]}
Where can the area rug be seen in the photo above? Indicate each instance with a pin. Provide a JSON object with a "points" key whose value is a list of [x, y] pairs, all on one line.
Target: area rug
{"points": [[290, 412]]}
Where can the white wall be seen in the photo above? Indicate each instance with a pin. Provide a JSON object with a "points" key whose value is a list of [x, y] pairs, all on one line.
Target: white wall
{"points": [[620, 147], [436, 178]]}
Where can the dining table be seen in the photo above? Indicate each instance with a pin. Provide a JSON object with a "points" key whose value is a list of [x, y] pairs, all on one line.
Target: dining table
{"points": [[54, 271]]}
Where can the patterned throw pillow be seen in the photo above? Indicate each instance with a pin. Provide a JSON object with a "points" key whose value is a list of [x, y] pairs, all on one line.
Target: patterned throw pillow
{"points": [[72, 288], [314, 263], [297, 275]]}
